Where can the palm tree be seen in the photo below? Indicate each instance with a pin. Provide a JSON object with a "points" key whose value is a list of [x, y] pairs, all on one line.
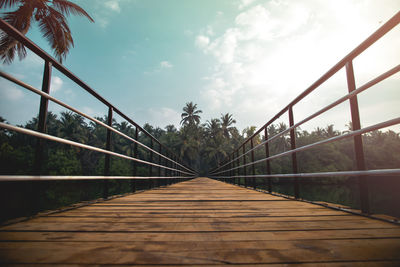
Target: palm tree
{"points": [[213, 128], [330, 132], [190, 114], [226, 122], [73, 127], [49, 14]]}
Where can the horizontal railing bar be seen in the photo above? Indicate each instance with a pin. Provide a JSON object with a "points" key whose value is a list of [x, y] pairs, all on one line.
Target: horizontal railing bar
{"points": [[326, 141], [385, 28], [10, 30], [385, 172], [9, 178], [324, 109], [69, 142], [55, 100]]}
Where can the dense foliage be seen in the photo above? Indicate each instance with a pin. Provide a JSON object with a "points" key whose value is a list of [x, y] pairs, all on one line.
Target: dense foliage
{"points": [[203, 146]]}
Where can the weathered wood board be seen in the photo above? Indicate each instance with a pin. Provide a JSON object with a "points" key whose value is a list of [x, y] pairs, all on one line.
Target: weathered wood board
{"points": [[200, 222]]}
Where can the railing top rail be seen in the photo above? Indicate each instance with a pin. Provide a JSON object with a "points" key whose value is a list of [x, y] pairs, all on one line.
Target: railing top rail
{"points": [[385, 28], [10, 30], [55, 100], [324, 109]]}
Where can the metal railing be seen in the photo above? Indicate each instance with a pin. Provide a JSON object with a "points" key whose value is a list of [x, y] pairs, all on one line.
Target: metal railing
{"points": [[159, 156], [235, 166]]}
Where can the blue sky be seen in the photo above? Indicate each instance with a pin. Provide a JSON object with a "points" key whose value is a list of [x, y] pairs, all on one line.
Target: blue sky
{"points": [[245, 57]]}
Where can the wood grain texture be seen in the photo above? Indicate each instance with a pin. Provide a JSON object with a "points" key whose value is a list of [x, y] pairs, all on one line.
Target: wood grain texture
{"points": [[200, 222]]}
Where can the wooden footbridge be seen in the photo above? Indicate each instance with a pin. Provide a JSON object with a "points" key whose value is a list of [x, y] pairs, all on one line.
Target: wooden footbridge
{"points": [[186, 220], [201, 222]]}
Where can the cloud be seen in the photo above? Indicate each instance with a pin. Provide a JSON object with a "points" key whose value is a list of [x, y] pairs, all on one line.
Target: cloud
{"points": [[113, 5], [245, 3], [276, 49], [56, 84], [102, 21], [163, 116], [105, 10], [165, 65], [91, 112], [10, 92], [202, 41]]}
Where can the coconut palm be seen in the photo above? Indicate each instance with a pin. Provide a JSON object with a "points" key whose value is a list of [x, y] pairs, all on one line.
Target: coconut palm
{"points": [[50, 16], [226, 122], [213, 128], [73, 127], [190, 114], [330, 132]]}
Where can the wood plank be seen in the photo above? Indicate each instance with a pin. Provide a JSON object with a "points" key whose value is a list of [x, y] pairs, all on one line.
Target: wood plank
{"points": [[203, 222], [201, 236], [194, 227], [170, 252]]}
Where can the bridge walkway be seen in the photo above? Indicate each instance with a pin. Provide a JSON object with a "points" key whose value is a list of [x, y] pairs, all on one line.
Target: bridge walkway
{"points": [[200, 222]]}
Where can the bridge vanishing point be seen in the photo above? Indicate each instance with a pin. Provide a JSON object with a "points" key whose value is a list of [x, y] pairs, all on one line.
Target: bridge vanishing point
{"points": [[185, 220]]}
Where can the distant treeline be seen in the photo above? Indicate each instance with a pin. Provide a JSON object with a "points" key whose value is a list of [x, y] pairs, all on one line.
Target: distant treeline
{"points": [[201, 145]]}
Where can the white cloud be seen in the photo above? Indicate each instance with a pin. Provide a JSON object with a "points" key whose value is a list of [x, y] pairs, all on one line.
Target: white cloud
{"points": [[102, 21], [106, 10], [113, 5], [56, 84], [91, 112], [209, 30], [10, 92], [245, 3], [202, 41], [163, 116], [276, 49], [165, 65]]}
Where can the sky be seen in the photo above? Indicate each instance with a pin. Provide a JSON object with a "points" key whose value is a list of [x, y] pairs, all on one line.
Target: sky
{"points": [[248, 58]]}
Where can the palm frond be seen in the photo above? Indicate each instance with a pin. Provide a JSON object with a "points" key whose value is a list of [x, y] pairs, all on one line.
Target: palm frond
{"points": [[21, 20], [8, 56], [55, 29], [67, 7], [8, 3]]}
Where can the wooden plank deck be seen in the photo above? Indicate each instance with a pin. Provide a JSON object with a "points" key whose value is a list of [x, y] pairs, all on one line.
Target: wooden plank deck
{"points": [[201, 222]]}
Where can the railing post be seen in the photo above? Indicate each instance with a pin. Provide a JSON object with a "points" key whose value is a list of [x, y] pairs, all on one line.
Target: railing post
{"points": [[175, 167], [244, 163], [159, 163], [233, 166], [267, 162], [253, 168], [107, 156], [230, 169], [168, 172], [135, 154], [294, 157], [43, 110], [150, 182], [238, 164], [358, 144], [174, 172]]}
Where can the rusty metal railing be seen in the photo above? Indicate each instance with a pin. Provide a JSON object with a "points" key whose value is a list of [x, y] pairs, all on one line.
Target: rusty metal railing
{"points": [[235, 165], [159, 156]]}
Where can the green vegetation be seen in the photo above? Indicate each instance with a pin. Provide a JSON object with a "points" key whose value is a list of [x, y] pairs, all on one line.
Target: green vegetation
{"points": [[202, 146]]}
